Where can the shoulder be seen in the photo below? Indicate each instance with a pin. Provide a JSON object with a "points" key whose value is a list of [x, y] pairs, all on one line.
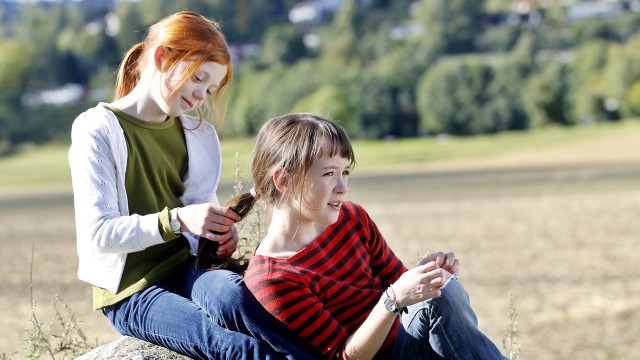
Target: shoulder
{"points": [[96, 120], [197, 126], [351, 211]]}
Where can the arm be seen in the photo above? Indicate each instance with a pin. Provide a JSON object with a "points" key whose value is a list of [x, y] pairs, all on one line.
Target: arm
{"points": [[102, 220], [418, 284], [410, 287], [98, 161]]}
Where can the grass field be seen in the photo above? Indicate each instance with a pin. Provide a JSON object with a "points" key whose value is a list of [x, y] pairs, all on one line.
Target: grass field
{"points": [[46, 167], [550, 218]]}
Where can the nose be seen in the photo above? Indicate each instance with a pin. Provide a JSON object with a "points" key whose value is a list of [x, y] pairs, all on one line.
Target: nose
{"points": [[342, 184], [199, 93]]}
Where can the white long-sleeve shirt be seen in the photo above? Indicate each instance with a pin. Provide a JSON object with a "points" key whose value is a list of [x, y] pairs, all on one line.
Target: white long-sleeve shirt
{"points": [[105, 230]]}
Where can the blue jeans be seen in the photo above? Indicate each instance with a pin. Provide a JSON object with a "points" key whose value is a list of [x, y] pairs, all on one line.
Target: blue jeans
{"points": [[206, 315], [443, 328]]}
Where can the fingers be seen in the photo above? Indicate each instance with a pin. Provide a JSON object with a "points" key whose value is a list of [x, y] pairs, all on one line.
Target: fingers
{"points": [[431, 265], [421, 283], [449, 259], [446, 261], [219, 218], [438, 257], [206, 220], [228, 243], [454, 268], [226, 212], [429, 293], [450, 263]]}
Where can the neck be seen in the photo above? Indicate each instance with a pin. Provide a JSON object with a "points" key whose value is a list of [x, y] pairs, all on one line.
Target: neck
{"points": [[287, 234], [140, 102]]}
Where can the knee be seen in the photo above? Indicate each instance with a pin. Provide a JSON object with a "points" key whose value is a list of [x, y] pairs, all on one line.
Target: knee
{"points": [[455, 299], [224, 286], [453, 289], [219, 282]]}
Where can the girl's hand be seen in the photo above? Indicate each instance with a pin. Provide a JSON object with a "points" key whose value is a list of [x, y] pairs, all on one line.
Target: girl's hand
{"points": [[446, 261], [213, 222], [228, 243], [420, 283]]}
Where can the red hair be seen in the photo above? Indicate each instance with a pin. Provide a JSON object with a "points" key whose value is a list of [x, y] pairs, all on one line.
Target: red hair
{"points": [[188, 37]]}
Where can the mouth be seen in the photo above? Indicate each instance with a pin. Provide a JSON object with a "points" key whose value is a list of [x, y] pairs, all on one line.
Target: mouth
{"points": [[335, 204], [188, 102]]}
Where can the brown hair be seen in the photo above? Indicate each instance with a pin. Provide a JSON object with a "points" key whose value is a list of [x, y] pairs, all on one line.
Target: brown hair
{"points": [[292, 142], [188, 37]]}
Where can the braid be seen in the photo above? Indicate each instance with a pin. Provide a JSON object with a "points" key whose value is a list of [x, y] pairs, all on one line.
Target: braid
{"points": [[207, 257]]}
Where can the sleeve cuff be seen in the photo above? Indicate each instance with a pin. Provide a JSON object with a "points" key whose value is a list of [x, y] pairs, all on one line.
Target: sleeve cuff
{"points": [[164, 227]]}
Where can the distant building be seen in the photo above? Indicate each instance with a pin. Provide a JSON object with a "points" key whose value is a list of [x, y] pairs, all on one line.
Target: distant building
{"points": [[313, 11], [66, 94], [587, 10]]}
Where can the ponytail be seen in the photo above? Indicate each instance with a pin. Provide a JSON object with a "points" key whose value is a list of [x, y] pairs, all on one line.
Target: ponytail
{"points": [[207, 258], [129, 72]]}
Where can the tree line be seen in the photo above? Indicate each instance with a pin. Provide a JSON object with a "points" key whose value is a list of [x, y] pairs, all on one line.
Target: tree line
{"points": [[382, 68]]}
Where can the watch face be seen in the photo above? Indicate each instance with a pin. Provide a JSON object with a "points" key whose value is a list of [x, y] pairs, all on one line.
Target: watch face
{"points": [[175, 225], [390, 305]]}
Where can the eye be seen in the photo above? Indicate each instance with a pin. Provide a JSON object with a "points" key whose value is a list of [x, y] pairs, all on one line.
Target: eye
{"points": [[346, 172], [197, 78], [329, 173]]}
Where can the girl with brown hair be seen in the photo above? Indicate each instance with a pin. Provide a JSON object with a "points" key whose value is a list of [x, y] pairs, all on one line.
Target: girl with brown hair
{"points": [[325, 270]]}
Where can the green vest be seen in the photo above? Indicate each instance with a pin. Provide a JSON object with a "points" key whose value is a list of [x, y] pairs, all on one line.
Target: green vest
{"points": [[157, 162]]}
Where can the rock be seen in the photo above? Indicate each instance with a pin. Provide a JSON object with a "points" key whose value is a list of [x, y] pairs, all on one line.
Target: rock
{"points": [[128, 348]]}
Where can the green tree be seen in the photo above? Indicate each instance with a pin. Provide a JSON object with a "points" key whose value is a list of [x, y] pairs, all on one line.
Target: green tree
{"points": [[374, 103], [330, 101], [621, 72], [547, 96], [504, 109], [452, 94], [452, 25], [15, 62], [132, 28], [633, 99], [263, 93], [282, 44], [36, 27], [588, 87], [340, 39]]}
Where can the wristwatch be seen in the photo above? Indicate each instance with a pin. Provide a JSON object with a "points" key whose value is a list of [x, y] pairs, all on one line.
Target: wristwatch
{"points": [[391, 304], [174, 223]]}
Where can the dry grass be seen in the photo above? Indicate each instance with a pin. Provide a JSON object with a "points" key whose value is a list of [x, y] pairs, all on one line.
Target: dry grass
{"points": [[559, 235], [568, 258]]}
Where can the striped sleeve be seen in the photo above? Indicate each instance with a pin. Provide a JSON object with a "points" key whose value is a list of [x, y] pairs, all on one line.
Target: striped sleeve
{"points": [[283, 292], [383, 260]]}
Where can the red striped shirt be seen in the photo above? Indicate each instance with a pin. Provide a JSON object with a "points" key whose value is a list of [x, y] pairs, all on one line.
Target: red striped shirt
{"points": [[326, 290]]}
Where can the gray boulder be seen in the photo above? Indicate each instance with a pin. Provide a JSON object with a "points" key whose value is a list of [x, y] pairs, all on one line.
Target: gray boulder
{"points": [[128, 348]]}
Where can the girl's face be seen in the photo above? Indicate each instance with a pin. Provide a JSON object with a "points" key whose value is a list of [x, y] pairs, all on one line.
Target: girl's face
{"points": [[193, 93], [324, 190]]}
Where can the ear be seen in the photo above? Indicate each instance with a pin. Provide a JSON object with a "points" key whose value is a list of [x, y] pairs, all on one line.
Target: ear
{"points": [[280, 179], [158, 57]]}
